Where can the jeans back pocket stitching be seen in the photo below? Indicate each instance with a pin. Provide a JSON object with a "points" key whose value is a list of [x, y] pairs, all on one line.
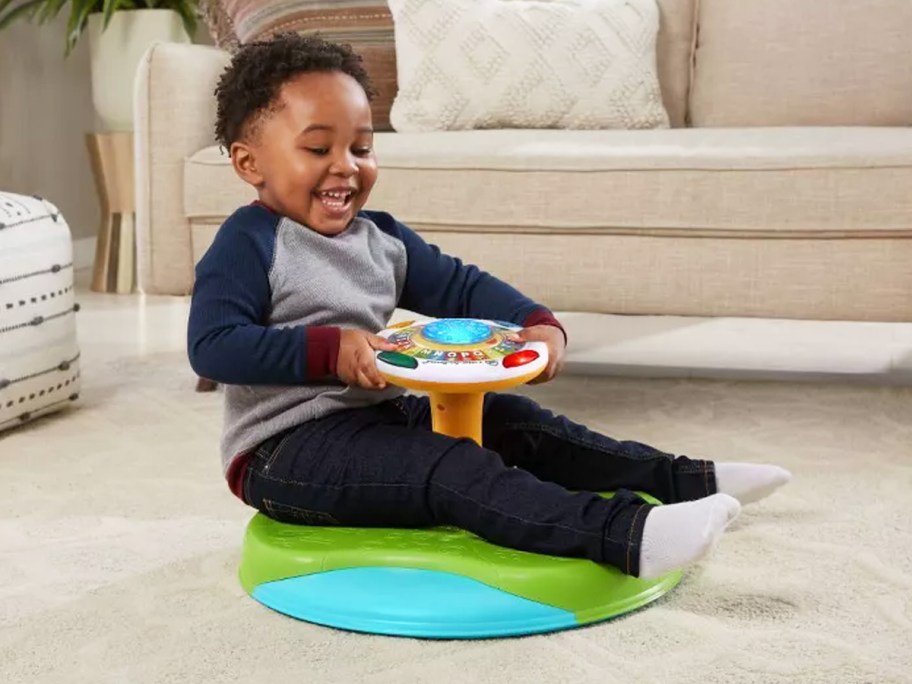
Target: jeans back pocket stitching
{"points": [[275, 452]]}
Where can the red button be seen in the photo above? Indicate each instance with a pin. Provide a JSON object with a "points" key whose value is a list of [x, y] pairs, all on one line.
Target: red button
{"points": [[520, 358]]}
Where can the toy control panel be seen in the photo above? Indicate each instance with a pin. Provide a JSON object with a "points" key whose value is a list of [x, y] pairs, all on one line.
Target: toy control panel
{"points": [[459, 350]]}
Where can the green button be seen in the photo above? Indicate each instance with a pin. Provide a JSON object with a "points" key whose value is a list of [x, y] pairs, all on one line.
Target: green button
{"points": [[397, 359]]}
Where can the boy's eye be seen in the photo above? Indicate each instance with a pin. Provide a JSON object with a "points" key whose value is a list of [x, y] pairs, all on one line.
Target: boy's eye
{"points": [[322, 151]]}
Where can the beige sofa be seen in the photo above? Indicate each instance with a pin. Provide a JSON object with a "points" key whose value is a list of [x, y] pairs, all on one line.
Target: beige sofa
{"points": [[783, 188]]}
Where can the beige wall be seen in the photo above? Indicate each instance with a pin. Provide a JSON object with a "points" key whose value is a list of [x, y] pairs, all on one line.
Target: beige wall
{"points": [[45, 112]]}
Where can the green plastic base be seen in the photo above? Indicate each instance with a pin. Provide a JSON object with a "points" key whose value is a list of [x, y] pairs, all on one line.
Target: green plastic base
{"points": [[275, 551]]}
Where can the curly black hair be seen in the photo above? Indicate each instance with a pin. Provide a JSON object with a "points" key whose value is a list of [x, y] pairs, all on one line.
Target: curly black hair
{"points": [[249, 86]]}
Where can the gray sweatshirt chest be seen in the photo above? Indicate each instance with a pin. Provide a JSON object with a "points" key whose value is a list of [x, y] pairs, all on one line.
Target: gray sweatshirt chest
{"points": [[351, 280]]}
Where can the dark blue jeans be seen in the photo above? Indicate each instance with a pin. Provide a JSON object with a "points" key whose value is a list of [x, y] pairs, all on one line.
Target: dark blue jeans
{"points": [[531, 486]]}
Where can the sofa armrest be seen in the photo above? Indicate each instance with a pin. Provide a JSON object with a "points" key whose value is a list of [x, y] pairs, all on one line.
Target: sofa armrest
{"points": [[174, 109]]}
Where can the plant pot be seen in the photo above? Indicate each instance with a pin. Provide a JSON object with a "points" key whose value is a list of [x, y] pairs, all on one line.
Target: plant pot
{"points": [[116, 53]]}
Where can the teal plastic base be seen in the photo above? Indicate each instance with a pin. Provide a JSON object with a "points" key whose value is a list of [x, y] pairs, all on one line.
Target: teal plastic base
{"points": [[409, 602], [440, 583]]}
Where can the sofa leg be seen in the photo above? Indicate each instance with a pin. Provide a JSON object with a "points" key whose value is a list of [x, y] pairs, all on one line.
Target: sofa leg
{"points": [[205, 385]]}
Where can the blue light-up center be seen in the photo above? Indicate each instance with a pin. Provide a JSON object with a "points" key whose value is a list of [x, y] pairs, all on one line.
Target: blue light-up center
{"points": [[456, 331]]}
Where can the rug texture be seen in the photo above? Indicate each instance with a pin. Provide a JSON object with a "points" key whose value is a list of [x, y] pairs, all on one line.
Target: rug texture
{"points": [[119, 547]]}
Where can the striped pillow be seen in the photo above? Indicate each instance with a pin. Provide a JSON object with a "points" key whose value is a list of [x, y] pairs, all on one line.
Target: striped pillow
{"points": [[366, 25]]}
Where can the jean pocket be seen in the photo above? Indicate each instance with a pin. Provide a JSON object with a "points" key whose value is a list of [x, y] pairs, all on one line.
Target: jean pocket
{"points": [[272, 448], [297, 515]]}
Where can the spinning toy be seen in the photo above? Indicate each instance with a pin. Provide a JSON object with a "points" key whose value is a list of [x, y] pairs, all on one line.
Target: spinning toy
{"points": [[440, 582]]}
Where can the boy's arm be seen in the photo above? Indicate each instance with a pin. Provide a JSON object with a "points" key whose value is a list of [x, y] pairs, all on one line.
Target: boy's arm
{"points": [[228, 339], [440, 285]]}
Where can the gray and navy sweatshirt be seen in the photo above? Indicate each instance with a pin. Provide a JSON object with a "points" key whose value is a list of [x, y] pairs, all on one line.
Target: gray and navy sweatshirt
{"points": [[271, 297]]}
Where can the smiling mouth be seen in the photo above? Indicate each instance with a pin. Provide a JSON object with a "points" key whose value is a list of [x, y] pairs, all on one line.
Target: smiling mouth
{"points": [[336, 203]]}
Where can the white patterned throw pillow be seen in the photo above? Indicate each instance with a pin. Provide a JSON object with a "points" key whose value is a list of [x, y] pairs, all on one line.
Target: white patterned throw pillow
{"points": [[575, 64]]}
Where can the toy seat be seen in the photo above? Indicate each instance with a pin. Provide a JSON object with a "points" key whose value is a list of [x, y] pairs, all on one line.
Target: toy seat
{"points": [[433, 583], [438, 582]]}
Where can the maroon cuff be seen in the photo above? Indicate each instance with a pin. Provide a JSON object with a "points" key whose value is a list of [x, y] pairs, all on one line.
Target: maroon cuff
{"points": [[237, 471], [544, 317], [322, 350]]}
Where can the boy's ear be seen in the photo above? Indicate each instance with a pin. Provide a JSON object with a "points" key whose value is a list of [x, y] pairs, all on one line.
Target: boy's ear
{"points": [[244, 162]]}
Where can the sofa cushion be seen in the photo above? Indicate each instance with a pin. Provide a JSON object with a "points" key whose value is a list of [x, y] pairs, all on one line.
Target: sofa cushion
{"points": [[781, 62], [811, 278], [778, 181], [368, 26], [573, 64]]}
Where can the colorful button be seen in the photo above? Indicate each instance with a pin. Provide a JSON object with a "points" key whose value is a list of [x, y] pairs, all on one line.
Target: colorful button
{"points": [[397, 359], [520, 358]]}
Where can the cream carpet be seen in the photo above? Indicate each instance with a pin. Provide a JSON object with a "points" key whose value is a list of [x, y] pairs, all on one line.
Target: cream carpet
{"points": [[119, 545]]}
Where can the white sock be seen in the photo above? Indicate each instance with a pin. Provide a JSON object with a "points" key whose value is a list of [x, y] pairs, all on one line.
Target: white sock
{"points": [[676, 535], [749, 482]]}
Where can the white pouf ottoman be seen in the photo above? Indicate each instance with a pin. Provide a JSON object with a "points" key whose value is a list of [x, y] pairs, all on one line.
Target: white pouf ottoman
{"points": [[39, 352]]}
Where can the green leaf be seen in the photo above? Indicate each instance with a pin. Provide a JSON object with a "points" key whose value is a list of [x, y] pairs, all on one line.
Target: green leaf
{"points": [[79, 14], [108, 12], [26, 9], [4, 4], [50, 10], [187, 12], [43, 11]]}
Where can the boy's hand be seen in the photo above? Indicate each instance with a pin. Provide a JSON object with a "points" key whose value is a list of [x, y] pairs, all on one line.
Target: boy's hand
{"points": [[356, 364], [554, 338]]}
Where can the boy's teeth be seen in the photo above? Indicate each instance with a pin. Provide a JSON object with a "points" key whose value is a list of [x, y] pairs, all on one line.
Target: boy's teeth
{"points": [[335, 200]]}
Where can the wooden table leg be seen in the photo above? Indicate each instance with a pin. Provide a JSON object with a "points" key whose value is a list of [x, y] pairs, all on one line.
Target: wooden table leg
{"points": [[111, 155]]}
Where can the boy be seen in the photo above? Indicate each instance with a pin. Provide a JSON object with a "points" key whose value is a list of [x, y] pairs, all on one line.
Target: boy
{"points": [[285, 309]]}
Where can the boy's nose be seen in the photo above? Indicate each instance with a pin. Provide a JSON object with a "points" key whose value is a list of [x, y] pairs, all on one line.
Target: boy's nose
{"points": [[344, 166]]}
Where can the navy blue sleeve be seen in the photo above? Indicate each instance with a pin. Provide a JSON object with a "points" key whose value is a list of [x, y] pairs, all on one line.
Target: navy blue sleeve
{"points": [[228, 340], [440, 286]]}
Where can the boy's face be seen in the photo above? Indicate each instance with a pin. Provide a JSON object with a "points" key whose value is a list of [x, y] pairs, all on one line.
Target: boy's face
{"points": [[312, 160]]}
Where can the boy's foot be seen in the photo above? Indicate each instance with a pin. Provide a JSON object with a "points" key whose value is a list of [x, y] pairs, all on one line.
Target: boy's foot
{"points": [[679, 534], [749, 482]]}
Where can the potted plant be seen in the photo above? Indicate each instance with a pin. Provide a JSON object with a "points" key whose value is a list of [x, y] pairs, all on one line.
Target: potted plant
{"points": [[119, 33]]}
